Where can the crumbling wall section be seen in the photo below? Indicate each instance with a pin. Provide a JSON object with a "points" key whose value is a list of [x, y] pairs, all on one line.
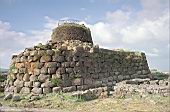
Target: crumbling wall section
{"points": [[72, 65]]}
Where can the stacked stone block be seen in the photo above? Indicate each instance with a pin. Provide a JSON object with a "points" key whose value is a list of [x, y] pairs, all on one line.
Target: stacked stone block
{"points": [[72, 65]]}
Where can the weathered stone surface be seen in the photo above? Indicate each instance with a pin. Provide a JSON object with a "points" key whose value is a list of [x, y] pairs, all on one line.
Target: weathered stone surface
{"points": [[56, 76], [77, 81], [58, 58], [74, 65], [37, 90], [71, 32], [22, 70], [16, 98], [61, 70], [26, 77], [50, 52], [44, 70], [88, 81], [47, 84], [18, 83], [33, 53], [51, 64], [45, 58], [17, 89], [25, 90], [47, 90], [36, 84], [28, 84], [37, 72], [42, 77], [56, 89], [33, 78], [51, 70], [69, 89], [141, 87], [8, 96], [69, 70]]}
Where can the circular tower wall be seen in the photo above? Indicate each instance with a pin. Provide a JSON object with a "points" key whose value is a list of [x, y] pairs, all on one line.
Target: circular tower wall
{"points": [[71, 31]]}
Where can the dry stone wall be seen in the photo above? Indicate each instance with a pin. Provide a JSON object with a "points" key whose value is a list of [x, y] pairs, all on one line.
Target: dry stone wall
{"points": [[72, 65]]}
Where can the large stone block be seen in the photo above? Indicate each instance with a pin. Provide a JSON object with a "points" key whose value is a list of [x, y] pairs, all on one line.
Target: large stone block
{"points": [[19, 83], [47, 84], [37, 90], [26, 77], [88, 81], [51, 70], [33, 53], [45, 58], [44, 70], [28, 84], [77, 81], [42, 77], [69, 70], [51, 64], [36, 84], [56, 89], [50, 52], [58, 58], [37, 72], [69, 89], [17, 89], [33, 78], [47, 90], [22, 70], [25, 90], [61, 70]]}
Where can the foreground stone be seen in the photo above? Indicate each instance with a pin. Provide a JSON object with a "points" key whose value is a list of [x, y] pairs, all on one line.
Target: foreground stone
{"points": [[8, 96], [142, 87], [16, 98]]}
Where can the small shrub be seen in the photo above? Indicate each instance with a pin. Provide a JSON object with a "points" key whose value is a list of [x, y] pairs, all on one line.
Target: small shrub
{"points": [[2, 78], [157, 75], [11, 68], [56, 82]]}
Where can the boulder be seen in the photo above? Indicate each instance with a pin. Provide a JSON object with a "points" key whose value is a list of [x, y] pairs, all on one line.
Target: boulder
{"points": [[16, 98], [45, 58], [8, 96], [37, 90], [69, 89], [47, 90], [25, 90], [56, 89]]}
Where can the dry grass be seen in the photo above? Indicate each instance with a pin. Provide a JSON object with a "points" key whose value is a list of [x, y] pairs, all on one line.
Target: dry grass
{"points": [[152, 103]]}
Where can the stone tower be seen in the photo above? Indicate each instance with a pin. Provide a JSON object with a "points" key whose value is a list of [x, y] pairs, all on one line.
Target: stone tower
{"points": [[70, 62]]}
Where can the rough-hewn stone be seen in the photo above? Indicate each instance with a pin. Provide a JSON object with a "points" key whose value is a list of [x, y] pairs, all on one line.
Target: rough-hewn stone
{"points": [[70, 62]]}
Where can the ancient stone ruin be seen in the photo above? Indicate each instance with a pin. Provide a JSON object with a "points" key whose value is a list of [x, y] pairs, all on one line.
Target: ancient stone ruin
{"points": [[70, 62]]}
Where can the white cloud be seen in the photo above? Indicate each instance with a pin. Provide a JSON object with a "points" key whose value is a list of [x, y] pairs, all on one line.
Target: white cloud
{"points": [[146, 30], [12, 42], [50, 23]]}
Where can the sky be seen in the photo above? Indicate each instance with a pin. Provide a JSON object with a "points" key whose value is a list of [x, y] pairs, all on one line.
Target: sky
{"points": [[136, 25]]}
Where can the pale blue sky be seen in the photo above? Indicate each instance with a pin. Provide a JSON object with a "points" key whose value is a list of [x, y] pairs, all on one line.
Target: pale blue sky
{"points": [[29, 14], [137, 25]]}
